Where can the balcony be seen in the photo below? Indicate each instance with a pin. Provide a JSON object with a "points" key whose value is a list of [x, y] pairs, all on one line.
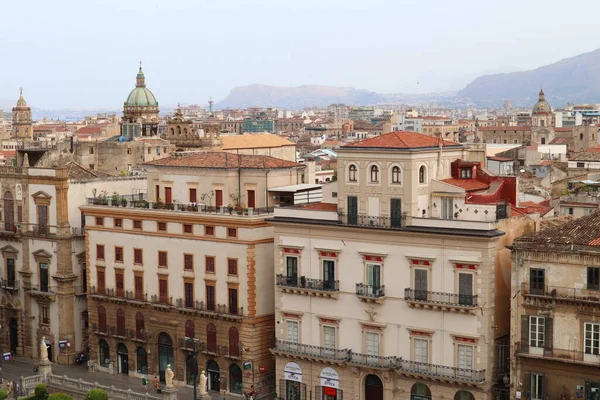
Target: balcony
{"points": [[133, 201], [41, 292], [561, 355], [233, 353], [368, 221], [10, 285], [311, 353], [107, 294], [161, 301], [388, 363], [590, 296], [417, 369], [308, 286], [211, 309], [441, 301], [370, 293]]}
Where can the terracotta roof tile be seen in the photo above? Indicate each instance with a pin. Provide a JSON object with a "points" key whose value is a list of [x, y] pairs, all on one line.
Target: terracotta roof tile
{"points": [[401, 140], [469, 185], [584, 231], [223, 160]]}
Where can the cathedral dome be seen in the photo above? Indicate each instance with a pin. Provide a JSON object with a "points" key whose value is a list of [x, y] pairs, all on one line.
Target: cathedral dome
{"points": [[141, 96], [542, 106]]}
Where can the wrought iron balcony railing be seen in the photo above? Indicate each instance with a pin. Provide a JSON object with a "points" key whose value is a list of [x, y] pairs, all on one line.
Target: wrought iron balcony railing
{"points": [[442, 371], [592, 356], [209, 307], [370, 290], [312, 351], [308, 283], [589, 294], [451, 299], [12, 285]]}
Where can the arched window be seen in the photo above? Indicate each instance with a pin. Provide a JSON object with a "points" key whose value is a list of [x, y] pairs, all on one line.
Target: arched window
{"points": [[235, 379], [464, 395], [374, 173], [422, 174], [172, 131], [234, 342], [101, 319], [581, 136], [140, 329], [103, 353], [120, 322], [211, 338], [352, 173], [420, 389], [142, 360], [185, 131], [396, 175], [189, 329], [179, 130]]}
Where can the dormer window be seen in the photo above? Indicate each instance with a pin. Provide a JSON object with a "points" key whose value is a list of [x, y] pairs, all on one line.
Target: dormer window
{"points": [[352, 173], [466, 173], [396, 175], [374, 173]]}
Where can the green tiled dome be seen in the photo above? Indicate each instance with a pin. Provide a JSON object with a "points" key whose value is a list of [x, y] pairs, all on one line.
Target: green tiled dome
{"points": [[141, 96]]}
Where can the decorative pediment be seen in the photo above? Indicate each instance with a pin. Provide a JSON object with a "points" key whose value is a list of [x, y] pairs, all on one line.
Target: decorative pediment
{"points": [[9, 252], [42, 255], [81, 256], [41, 198]]}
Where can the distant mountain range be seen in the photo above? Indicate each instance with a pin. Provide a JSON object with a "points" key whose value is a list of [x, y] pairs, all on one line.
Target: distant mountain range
{"points": [[574, 80], [315, 96]]}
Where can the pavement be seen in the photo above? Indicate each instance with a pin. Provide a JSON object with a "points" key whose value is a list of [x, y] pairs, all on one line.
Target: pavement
{"points": [[24, 367]]}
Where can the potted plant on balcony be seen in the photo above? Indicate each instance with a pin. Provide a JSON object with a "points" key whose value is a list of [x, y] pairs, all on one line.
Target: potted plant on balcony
{"points": [[230, 208], [115, 199], [123, 201], [303, 281]]}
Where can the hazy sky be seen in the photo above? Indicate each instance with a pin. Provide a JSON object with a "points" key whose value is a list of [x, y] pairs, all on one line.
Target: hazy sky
{"points": [[85, 53]]}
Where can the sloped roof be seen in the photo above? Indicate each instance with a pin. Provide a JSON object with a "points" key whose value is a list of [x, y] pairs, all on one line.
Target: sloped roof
{"points": [[401, 140], [468, 184], [592, 154], [254, 141], [77, 171], [584, 231], [223, 160]]}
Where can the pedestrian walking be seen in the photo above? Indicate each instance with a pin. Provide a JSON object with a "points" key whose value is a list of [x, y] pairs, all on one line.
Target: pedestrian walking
{"points": [[9, 387], [145, 383], [155, 383]]}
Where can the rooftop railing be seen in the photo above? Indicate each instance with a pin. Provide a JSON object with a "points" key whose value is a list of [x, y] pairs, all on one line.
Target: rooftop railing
{"points": [[589, 294]]}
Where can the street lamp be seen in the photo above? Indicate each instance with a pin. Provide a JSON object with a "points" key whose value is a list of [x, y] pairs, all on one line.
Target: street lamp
{"points": [[196, 343]]}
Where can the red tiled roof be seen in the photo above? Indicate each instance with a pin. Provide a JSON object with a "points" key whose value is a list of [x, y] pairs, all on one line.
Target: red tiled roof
{"points": [[583, 231], [93, 129], [223, 160], [469, 185], [401, 140], [563, 129], [320, 207]]}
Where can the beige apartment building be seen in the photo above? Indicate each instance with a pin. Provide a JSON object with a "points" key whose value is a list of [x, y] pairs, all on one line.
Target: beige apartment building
{"points": [[188, 272], [386, 290]]}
